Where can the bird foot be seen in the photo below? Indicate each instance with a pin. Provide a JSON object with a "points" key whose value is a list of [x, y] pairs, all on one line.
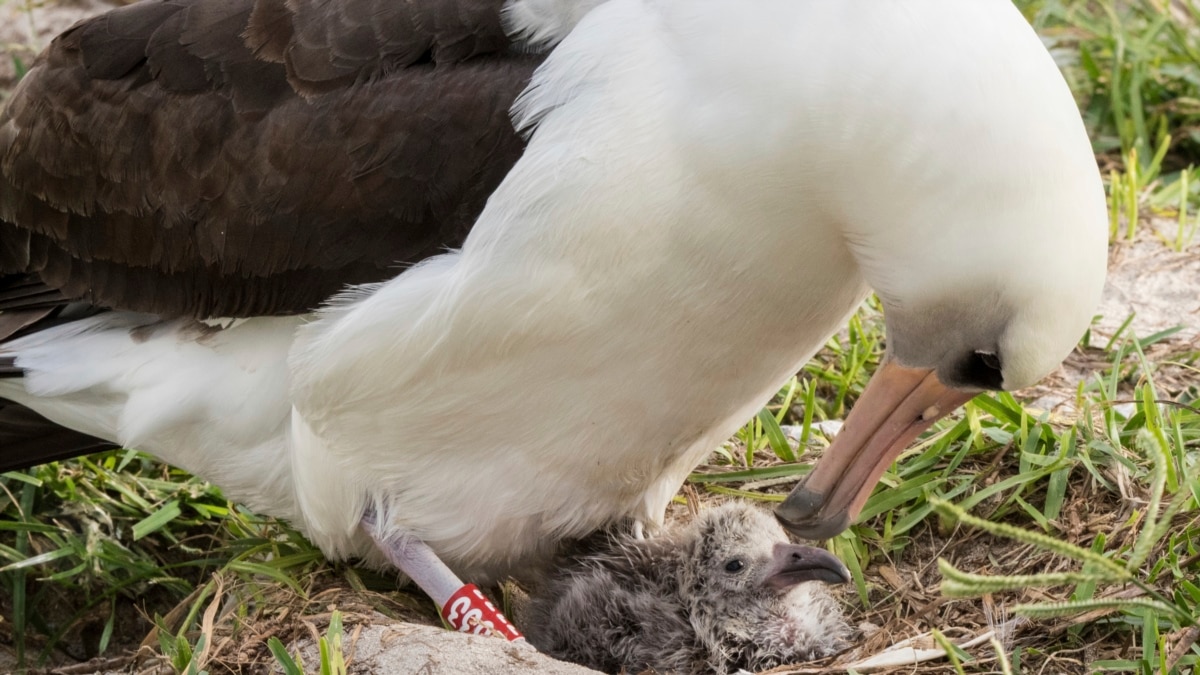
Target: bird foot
{"points": [[639, 530], [645, 529], [463, 606]]}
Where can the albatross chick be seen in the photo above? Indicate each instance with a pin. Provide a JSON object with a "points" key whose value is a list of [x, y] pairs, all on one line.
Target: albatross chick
{"points": [[728, 591]]}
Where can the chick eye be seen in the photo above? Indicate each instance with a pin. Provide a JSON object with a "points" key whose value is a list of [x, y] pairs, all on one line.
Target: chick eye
{"points": [[734, 565]]}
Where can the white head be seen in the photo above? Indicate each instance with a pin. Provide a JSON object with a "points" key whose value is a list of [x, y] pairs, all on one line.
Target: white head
{"points": [[943, 147], [929, 148]]}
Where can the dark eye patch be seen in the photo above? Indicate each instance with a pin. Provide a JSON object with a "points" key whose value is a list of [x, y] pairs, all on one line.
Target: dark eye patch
{"points": [[982, 370]]}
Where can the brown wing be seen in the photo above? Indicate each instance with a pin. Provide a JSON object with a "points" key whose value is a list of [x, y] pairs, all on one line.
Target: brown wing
{"points": [[327, 45], [234, 158]]}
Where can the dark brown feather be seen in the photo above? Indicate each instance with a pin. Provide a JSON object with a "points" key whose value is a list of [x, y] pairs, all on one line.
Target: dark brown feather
{"points": [[327, 45], [151, 161], [13, 324], [28, 439], [239, 158]]}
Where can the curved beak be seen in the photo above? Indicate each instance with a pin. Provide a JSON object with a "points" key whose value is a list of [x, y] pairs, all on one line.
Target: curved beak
{"points": [[793, 564], [897, 405]]}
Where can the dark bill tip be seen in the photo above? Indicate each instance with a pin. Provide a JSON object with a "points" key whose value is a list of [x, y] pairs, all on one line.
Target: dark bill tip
{"points": [[795, 564], [898, 404], [800, 515]]}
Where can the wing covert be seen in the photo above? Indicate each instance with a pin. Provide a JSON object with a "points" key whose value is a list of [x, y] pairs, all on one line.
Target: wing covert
{"points": [[234, 158]]}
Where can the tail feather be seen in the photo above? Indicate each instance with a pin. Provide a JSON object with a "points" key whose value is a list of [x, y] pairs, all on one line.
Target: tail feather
{"points": [[14, 324], [26, 438], [20, 292], [31, 296]]}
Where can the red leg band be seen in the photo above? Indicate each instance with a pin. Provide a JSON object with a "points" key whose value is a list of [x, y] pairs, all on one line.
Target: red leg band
{"points": [[469, 611]]}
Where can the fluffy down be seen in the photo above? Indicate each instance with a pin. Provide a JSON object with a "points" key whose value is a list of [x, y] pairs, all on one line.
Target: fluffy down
{"points": [[668, 603]]}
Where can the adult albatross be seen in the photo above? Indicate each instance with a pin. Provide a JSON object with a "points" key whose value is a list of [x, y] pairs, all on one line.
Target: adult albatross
{"points": [[710, 187]]}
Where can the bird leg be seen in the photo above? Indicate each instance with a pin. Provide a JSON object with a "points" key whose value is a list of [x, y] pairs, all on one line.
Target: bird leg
{"points": [[463, 606], [645, 529], [639, 530]]}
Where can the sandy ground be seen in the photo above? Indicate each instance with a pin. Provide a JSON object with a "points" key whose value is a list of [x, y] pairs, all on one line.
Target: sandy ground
{"points": [[1158, 285], [1156, 289]]}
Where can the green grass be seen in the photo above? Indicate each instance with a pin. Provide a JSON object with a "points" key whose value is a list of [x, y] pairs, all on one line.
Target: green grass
{"points": [[100, 534], [1088, 521], [329, 646], [1135, 69], [1019, 471]]}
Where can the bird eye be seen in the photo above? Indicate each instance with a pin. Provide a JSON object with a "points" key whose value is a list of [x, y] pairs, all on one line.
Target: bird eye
{"points": [[990, 360], [983, 370], [734, 565]]}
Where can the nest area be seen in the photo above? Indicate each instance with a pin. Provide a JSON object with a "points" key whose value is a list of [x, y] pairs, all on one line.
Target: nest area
{"points": [[226, 580], [229, 581], [237, 612]]}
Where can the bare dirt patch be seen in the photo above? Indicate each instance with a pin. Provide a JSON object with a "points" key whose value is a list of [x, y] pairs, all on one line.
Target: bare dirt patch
{"points": [[1156, 284], [27, 26]]}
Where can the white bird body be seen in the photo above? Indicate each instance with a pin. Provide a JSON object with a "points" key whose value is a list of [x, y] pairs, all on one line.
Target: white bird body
{"points": [[709, 189], [213, 401]]}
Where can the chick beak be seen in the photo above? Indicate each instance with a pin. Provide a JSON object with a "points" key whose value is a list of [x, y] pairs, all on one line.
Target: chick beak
{"points": [[897, 405], [793, 564]]}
